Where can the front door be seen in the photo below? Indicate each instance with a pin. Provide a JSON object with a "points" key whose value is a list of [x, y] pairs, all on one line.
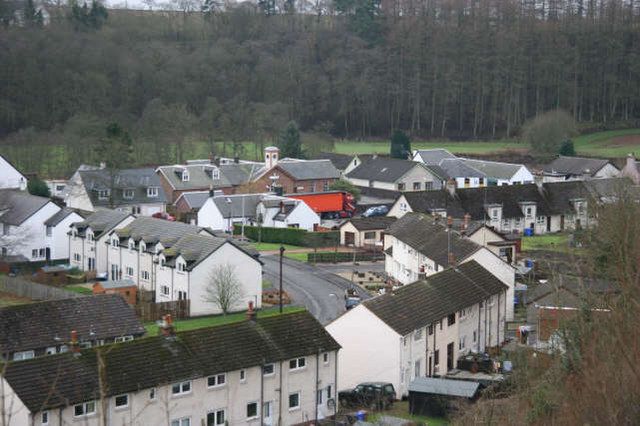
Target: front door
{"points": [[267, 413], [115, 272], [450, 356], [548, 223], [430, 366]]}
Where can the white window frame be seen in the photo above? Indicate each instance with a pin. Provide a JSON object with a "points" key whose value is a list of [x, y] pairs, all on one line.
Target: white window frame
{"points": [[115, 401], [182, 421], [44, 418], [325, 358], [163, 292], [128, 194], [152, 192], [215, 416], [181, 386], [417, 335], [49, 230], [182, 267], [103, 194], [243, 376], [129, 271], [185, 176], [216, 381], [23, 355], [85, 409], [297, 362], [296, 407], [144, 275], [272, 366], [153, 394], [247, 410], [121, 339]]}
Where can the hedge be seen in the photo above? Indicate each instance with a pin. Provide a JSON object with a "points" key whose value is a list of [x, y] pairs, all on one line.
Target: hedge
{"points": [[330, 256], [291, 236]]}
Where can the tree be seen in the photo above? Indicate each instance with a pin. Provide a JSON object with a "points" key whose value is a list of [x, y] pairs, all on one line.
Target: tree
{"points": [[32, 16], [400, 145], [115, 151], [224, 289], [289, 142], [85, 18], [546, 132], [345, 185], [567, 149], [37, 186]]}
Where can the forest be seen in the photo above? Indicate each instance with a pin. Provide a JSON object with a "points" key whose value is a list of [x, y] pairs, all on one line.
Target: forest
{"points": [[355, 69]]}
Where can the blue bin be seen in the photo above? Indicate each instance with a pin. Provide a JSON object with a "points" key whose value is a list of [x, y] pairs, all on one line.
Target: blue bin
{"points": [[528, 263], [361, 415], [528, 232]]}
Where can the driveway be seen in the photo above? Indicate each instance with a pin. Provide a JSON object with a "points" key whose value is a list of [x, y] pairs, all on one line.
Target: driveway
{"points": [[319, 290]]}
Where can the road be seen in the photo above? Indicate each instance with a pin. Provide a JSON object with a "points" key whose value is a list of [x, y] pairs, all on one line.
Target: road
{"points": [[319, 290]]}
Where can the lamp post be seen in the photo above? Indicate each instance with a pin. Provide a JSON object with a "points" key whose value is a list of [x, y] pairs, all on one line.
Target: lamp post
{"points": [[228, 201], [281, 256]]}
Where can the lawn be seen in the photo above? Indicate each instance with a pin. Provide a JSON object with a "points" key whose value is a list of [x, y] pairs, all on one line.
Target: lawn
{"points": [[78, 289], [300, 257], [275, 247], [194, 323], [401, 409], [469, 147], [611, 143], [553, 242], [7, 299]]}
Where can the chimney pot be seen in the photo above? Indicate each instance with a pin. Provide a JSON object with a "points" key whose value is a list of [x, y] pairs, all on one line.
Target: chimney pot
{"points": [[211, 190], [74, 341], [251, 313], [451, 259], [449, 221]]}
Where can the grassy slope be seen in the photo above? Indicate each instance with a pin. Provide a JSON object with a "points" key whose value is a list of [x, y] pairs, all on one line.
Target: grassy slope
{"points": [[598, 144], [555, 242], [191, 324]]}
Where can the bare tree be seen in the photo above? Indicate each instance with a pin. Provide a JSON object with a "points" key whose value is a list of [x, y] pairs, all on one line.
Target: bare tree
{"points": [[13, 239], [224, 289]]}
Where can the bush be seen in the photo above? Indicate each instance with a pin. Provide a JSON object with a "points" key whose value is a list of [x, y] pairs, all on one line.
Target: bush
{"points": [[546, 132], [291, 236], [331, 256]]}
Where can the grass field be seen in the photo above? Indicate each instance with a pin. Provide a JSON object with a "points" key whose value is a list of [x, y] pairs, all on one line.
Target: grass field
{"points": [[470, 147], [553, 242], [612, 143], [401, 409], [7, 299], [78, 289], [194, 323], [274, 247]]}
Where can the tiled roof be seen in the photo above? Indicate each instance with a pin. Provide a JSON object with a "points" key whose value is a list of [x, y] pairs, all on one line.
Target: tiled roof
{"points": [[457, 168], [309, 169], [575, 166], [371, 223], [433, 156], [62, 380], [494, 169], [102, 221], [383, 169], [201, 175], [429, 236], [153, 230], [194, 200], [422, 303], [241, 205], [18, 206], [194, 249], [138, 180], [43, 324], [62, 215], [340, 161]]}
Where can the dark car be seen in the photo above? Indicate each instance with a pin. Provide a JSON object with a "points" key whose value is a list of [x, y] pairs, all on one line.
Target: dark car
{"points": [[373, 395]]}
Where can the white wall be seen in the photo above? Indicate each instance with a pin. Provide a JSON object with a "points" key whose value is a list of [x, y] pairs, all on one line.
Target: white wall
{"points": [[608, 171], [370, 349], [14, 413], [522, 176], [501, 270], [30, 235], [76, 195], [210, 217], [59, 240], [399, 208], [10, 177], [302, 215]]}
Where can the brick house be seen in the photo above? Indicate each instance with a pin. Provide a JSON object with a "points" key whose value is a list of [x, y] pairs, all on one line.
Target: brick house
{"points": [[125, 288]]}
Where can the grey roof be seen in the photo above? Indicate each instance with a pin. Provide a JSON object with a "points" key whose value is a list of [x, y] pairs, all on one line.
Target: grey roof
{"points": [[457, 168], [117, 284], [494, 169], [383, 169], [238, 203], [201, 175], [371, 223], [152, 230], [62, 215], [445, 387], [101, 221], [18, 206], [433, 156], [575, 166], [43, 324], [424, 302], [309, 169], [194, 249], [429, 236], [195, 200], [137, 180], [340, 161]]}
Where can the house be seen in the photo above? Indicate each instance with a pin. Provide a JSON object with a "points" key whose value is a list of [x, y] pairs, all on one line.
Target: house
{"points": [[432, 157], [503, 246], [189, 203], [222, 212], [343, 162], [276, 370], [33, 227], [204, 175], [57, 187], [365, 232], [578, 168], [421, 329], [293, 176], [499, 173], [417, 246], [44, 328], [137, 191], [10, 176], [88, 240], [126, 289], [462, 174], [395, 175]]}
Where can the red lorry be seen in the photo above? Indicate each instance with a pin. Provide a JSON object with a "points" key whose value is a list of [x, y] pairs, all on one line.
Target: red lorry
{"points": [[329, 205]]}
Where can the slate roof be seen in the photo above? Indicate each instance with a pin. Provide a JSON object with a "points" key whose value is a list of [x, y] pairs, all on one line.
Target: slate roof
{"points": [[36, 325], [430, 237], [153, 231], [383, 169], [194, 249], [101, 221], [575, 166], [424, 302], [373, 196], [17, 206], [494, 169], [62, 215], [156, 361], [433, 156], [371, 223], [457, 168], [445, 387], [117, 284], [235, 208], [339, 161], [194, 200], [309, 169], [201, 175], [137, 180]]}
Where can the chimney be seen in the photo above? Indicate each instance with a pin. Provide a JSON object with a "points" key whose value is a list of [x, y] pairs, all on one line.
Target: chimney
{"points": [[167, 328], [631, 162], [103, 165], [465, 223], [282, 207], [75, 347], [211, 191], [586, 174], [451, 187], [451, 259], [251, 313], [271, 154]]}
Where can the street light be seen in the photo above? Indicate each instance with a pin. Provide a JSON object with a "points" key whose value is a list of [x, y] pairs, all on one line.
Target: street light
{"points": [[281, 257], [228, 201]]}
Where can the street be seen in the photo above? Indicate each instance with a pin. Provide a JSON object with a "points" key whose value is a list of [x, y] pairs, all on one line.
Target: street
{"points": [[318, 289]]}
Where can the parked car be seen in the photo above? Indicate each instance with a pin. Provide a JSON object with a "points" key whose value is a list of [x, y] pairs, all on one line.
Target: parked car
{"points": [[351, 298], [373, 395], [376, 211], [165, 216]]}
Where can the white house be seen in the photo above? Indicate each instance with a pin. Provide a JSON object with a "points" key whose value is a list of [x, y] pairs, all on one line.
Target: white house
{"points": [[10, 177], [367, 232], [279, 370], [33, 228], [396, 175], [417, 246], [499, 173], [283, 212], [578, 168], [421, 329]]}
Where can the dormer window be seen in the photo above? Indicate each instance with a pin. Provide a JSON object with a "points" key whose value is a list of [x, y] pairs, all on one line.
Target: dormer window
{"points": [[115, 242], [152, 192], [495, 213], [185, 175], [89, 235], [132, 245], [103, 194], [215, 174], [182, 267], [143, 246], [127, 194]]}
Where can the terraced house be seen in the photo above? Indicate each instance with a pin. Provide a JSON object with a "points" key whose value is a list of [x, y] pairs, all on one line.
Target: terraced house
{"points": [[279, 370]]}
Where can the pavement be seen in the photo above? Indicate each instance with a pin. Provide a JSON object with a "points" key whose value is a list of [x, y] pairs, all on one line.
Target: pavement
{"points": [[317, 289]]}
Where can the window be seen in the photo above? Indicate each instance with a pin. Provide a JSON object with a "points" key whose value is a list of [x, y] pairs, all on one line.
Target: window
{"points": [[103, 194], [185, 176], [123, 339], [217, 380], [430, 329], [91, 263], [436, 357], [297, 363], [417, 186], [325, 358], [252, 410], [144, 275], [77, 257], [4, 251], [462, 343], [329, 392], [417, 335], [467, 182], [541, 220], [325, 186], [294, 400], [44, 418], [129, 271], [152, 394], [494, 214], [127, 194], [51, 350], [132, 245], [451, 319], [475, 337], [90, 236], [164, 290], [41, 252], [319, 397], [181, 388], [462, 314], [428, 186], [182, 267], [115, 242], [84, 409], [6, 229], [215, 174], [19, 356], [518, 222], [152, 192], [371, 235], [416, 369], [143, 246], [49, 231], [122, 401], [481, 181], [269, 369], [34, 253], [243, 375], [185, 421], [401, 186], [216, 418]]}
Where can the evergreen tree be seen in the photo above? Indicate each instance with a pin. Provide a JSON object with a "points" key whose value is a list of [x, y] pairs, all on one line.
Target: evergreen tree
{"points": [[567, 149], [116, 152], [400, 145], [37, 186], [289, 143], [32, 16]]}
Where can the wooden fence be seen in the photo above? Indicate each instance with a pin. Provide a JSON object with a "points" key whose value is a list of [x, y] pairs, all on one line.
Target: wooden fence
{"points": [[150, 311], [34, 291]]}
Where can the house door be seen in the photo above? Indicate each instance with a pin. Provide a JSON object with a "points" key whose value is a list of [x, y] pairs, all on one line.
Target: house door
{"points": [[430, 367], [267, 413], [47, 253], [449, 356], [349, 238], [91, 263], [115, 272], [548, 223], [562, 222]]}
